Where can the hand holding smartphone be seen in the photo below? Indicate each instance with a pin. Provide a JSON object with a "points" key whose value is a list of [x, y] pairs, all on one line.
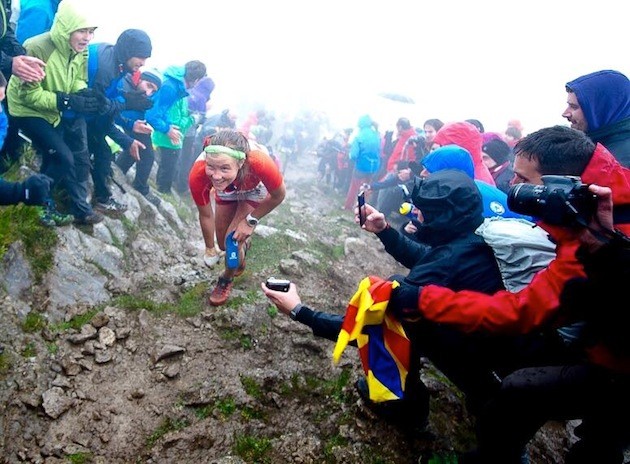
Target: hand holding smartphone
{"points": [[361, 203]]}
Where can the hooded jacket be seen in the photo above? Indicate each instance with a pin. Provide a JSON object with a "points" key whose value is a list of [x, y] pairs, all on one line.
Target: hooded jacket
{"points": [[170, 107], [365, 149], [604, 97], [454, 157], [66, 70], [36, 16], [200, 94], [399, 153], [466, 136], [107, 65], [448, 252], [537, 304]]}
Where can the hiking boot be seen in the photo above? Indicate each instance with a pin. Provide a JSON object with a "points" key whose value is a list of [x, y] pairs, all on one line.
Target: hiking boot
{"points": [[211, 257], [153, 199], [110, 207], [221, 292], [50, 217], [90, 219], [44, 218], [60, 219]]}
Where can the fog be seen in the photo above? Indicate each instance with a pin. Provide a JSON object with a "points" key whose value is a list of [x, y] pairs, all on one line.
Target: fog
{"points": [[489, 60]]}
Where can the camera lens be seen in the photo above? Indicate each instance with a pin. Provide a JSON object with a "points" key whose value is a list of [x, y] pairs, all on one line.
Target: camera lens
{"points": [[525, 199]]}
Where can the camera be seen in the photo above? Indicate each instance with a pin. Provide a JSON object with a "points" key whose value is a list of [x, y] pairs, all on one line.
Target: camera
{"points": [[280, 285], [561, 200]]}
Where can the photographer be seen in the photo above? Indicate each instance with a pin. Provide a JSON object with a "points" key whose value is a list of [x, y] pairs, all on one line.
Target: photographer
{"points": [[447, 252], [526, 328], [597, 393]]}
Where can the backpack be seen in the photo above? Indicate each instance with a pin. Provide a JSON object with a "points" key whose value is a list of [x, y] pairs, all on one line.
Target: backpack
{"points": [[520, 247]]}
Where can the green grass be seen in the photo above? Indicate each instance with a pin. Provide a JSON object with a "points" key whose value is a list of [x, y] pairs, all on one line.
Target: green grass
{"points": [[238, 301], [79, 458], [5, 363], [251, 387], [167, 425], [33, 322], [75, 323], [226, 406], [231, 334], [272, 311], [21, 223], [253, 449], [30, 350], [191, 303]]}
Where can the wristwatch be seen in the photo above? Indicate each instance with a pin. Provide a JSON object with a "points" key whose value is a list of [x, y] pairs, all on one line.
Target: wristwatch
{"points": [[251, 220], [294, 312]]}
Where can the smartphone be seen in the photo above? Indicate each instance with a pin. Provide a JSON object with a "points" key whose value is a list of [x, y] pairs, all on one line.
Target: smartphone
{"points": [[361, 203], [280, 285]]}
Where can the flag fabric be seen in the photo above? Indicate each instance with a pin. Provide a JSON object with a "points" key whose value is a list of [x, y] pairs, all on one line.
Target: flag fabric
{"points": [[384, 347]]}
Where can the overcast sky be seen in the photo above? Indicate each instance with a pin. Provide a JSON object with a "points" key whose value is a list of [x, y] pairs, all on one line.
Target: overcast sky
{"points": [[458, 59]]}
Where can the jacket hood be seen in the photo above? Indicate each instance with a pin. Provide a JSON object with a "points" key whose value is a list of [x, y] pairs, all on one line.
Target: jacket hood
{"points": [[604, 97], [466, 136], [462, 134], [132, 43], [71, 16], [449, 157], [364, 121], [175, 72], [603, 169], [451, 206], [200, 94]]}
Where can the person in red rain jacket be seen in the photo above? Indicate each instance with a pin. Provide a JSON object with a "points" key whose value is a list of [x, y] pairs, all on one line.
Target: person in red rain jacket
{"points": [[467, 136]]}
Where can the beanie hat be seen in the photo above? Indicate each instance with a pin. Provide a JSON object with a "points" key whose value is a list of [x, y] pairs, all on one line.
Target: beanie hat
{"points": [[152, 75], [498, 150], [133, 43]]}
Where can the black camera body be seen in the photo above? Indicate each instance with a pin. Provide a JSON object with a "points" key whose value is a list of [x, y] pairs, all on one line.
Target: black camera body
{"points": [[561, 200], [280, 285]]}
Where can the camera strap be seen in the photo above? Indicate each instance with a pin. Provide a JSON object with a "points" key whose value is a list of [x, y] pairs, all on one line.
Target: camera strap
{"points": [[621, 214]]}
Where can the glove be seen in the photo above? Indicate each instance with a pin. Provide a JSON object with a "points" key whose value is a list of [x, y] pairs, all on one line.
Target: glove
{"points": [[137, 100], [103, 103], [36, 189], [81, 103], [403, 301]]}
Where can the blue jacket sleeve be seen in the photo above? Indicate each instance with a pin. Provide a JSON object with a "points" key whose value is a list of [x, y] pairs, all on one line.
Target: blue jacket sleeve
{"points": [[157, 116]]}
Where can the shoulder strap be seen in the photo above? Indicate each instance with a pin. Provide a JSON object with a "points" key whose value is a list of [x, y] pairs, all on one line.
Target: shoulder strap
{"points": [[621, 214]]}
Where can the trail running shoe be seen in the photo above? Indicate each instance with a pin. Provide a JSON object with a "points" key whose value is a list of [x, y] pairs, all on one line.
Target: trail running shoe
{"points": [[50, 217], [221, 292], [110, 207], [153, 199], [45, 219], [60, 218]]}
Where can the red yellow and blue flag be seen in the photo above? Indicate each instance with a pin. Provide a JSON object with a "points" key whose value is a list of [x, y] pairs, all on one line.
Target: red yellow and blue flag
{"points": [[383, 345]]}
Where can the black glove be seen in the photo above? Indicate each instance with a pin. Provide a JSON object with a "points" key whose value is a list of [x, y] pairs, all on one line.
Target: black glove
{"points": [[403, 301], [137, 100], [36, 189], [103, 103], [79, 102]]}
